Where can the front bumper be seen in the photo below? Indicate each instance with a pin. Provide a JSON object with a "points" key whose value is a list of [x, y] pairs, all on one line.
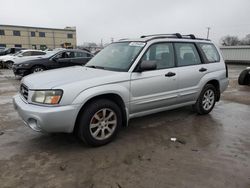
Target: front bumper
{"points": [[46, 118], [20, 71]]}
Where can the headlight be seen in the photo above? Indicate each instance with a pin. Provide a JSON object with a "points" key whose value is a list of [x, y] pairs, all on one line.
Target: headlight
{"points": [[23, 65], [47, 97]]}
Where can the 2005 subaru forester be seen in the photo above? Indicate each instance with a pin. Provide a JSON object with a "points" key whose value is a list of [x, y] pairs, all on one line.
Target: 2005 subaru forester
{"points": [[127, 79]]}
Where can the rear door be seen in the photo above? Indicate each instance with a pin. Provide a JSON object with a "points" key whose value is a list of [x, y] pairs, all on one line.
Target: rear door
{"points": [[156, 88], [191, 69]]}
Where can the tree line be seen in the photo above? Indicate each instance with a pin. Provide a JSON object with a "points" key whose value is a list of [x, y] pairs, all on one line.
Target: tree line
{"points": [[235, 41]]}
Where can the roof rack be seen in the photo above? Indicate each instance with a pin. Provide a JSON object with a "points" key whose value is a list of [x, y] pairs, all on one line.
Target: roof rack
{"points": [[174, 35], [178, 35]]}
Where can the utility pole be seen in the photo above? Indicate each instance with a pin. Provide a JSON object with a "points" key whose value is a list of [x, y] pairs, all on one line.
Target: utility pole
{"points": [[208, 29]]}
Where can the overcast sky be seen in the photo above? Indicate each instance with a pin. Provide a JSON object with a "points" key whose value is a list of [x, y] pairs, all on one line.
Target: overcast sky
{"points": [[104, 19]]}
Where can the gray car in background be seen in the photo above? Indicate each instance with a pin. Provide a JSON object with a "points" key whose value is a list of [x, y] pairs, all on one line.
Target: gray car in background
{"points": [[127, 79]]}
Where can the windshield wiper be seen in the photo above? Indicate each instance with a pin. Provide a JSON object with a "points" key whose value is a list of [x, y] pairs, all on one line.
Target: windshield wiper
{"points": [[95, 67]]}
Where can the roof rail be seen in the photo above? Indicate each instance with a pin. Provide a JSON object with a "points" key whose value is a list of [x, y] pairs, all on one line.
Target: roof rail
{"points": [[178, 35], [175, 35], [190, 35]]}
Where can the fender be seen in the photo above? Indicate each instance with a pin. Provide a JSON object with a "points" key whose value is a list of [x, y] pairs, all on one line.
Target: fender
{"points": [[121, 89]]}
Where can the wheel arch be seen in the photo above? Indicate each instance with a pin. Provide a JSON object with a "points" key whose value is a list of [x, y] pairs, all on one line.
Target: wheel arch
{"points": [[216, 84], [38, 65], [110, 96], [7, 62]]}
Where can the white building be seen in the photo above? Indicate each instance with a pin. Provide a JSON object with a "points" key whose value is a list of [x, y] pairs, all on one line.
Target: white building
{"points": [[236, 54]]}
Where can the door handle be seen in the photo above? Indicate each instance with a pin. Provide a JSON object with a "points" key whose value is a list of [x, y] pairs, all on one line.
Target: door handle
{"points": [[170, 74], [203, 69]]}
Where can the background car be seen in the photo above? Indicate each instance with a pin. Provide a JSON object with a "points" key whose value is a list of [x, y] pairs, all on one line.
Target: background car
{"points": [[13, 50], [8, 60], [52, 60], [244, 78]]}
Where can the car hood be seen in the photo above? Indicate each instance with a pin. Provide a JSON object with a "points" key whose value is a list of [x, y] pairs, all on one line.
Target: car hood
{"points": [[80, 76]]}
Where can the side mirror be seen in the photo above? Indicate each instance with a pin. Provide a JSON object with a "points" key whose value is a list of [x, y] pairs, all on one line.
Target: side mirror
{"points": [[147, 65]]}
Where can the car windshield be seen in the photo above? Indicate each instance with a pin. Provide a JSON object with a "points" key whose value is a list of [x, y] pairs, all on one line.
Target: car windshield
{"points": [[116, 56]]}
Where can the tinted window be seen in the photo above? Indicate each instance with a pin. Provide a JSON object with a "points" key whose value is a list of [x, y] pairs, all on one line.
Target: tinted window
{"points": [[16, 33], [33, 33], [18, 46], [37, 53], [41, 34], [162, 53], [70, 35], [3, 45], [64, 55], [187, 54], [210, 52], [26, 53], [82, 54], [2, 32]]}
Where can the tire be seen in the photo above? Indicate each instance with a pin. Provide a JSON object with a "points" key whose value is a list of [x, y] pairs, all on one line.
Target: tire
{"points": [[244, 78], [206, 101], [9, 64], [93, 129], [37, 69]]}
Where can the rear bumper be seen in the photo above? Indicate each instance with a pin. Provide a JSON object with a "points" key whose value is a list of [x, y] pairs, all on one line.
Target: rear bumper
{"points": [[223, 84], [46, 118]]}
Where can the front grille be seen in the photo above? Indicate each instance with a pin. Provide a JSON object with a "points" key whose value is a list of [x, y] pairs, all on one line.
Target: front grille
{"points": [[24, 91]]}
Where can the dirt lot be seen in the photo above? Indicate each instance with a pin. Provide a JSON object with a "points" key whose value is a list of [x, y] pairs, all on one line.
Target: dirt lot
{"points": [[214, 149]]}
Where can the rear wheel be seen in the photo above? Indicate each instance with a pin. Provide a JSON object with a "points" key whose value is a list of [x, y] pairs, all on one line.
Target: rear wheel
{"points": [[206, 100], [9, 64], [99, 122], [37, 69]]}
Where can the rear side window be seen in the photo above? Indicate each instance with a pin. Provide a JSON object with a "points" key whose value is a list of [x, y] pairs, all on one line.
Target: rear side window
{"points": [[187, 54], [210, 52], [81, 54], [162, 53], [27, 53], [37, 53]]}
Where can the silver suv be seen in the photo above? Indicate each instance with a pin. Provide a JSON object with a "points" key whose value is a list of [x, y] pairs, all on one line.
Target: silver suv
{"points": [[127, 79]]}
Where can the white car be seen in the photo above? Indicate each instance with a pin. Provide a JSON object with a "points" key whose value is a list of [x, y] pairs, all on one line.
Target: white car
{"points": [[9, 60]]}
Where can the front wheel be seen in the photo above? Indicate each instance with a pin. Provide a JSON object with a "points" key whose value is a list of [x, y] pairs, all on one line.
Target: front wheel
{"points": [[37, 69], [99, 122], [206, 101], [9, 64]]}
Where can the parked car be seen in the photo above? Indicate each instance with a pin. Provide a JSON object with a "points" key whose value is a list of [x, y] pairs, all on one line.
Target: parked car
{"points": [[127, 79], [244, 77], [10, 50], [52, 60], [8, 60]]}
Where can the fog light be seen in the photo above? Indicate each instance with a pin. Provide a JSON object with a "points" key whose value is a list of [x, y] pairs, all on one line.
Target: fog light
{"points": [[34, 125]]}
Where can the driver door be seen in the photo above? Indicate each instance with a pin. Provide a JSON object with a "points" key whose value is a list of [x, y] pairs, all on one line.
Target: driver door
{"points": [[155, 89]]}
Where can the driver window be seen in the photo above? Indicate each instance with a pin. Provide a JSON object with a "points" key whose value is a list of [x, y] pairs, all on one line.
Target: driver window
{"points": [[65, 55], [162, 53]]}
